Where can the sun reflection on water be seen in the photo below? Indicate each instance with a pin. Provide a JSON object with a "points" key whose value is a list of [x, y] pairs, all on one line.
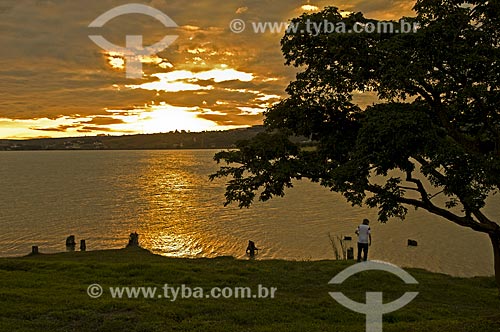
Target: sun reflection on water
{"points": [[168, 226], [168, 244]]}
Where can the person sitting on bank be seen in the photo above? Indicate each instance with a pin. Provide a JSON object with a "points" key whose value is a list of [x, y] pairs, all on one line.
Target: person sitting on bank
{"points": [[133, 240], [251, 249]]}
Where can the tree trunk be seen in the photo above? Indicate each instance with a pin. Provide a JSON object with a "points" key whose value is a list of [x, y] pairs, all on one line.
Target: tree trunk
{"points": [[495, 241]]}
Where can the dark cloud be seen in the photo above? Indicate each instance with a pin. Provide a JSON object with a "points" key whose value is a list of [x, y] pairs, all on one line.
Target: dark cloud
{"points": [[234, 119], [96, 129], [56, 129], [102, 121]]}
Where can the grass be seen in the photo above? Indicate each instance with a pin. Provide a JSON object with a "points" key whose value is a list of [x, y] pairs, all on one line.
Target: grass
{"points": [[49, 293]]}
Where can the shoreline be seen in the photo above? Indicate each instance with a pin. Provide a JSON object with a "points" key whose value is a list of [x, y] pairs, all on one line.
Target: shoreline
{"points": [[76, 255]]}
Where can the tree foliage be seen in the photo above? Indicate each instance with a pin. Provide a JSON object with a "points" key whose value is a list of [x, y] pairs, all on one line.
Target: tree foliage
{"points": [[435, 116]]}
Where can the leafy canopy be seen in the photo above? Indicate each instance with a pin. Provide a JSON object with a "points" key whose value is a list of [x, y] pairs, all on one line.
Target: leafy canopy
{"points": [[436, 112]]}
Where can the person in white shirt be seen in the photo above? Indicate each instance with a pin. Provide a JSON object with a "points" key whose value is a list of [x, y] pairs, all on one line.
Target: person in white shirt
{"points": [[364, 239]]}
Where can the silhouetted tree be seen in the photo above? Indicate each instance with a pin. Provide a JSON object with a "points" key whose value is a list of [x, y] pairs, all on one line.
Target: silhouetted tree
{"points": [[436, 117]]}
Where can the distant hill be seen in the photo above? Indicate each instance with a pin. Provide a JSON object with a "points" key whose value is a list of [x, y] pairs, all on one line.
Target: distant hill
{"points": [[171, 140]]}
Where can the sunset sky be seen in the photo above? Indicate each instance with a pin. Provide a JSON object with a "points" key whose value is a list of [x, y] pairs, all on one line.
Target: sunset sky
{"points": [[55, 82]]}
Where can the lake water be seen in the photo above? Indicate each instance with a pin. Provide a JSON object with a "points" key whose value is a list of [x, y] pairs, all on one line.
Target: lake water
{"points": [[165, 196]]}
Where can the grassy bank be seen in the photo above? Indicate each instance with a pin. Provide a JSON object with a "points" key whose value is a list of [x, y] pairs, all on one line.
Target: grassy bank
{"points": [[49, 293]]}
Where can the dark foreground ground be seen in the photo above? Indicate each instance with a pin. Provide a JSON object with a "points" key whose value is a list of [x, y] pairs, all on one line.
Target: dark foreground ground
{"points": [[49, 293]]}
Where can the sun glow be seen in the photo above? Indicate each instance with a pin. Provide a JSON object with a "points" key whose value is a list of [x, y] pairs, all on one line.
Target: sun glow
{"points": [[150, 119], [164, 118]]}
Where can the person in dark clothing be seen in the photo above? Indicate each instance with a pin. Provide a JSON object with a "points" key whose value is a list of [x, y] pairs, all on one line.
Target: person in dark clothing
{"points": [[251, 249]]}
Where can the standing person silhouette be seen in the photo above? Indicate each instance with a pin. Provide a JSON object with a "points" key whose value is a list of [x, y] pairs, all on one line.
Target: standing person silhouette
{"points": [[364, 239]]}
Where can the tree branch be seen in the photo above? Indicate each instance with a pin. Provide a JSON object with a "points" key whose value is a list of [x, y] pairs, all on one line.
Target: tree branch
{"points": [[482, 219], [433, 171], [465, 221], [420, 187], [424, 94]]}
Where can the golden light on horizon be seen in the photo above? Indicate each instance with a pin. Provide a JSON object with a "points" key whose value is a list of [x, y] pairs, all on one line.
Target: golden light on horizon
{"points": [[150, 119], [164, 118]]}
